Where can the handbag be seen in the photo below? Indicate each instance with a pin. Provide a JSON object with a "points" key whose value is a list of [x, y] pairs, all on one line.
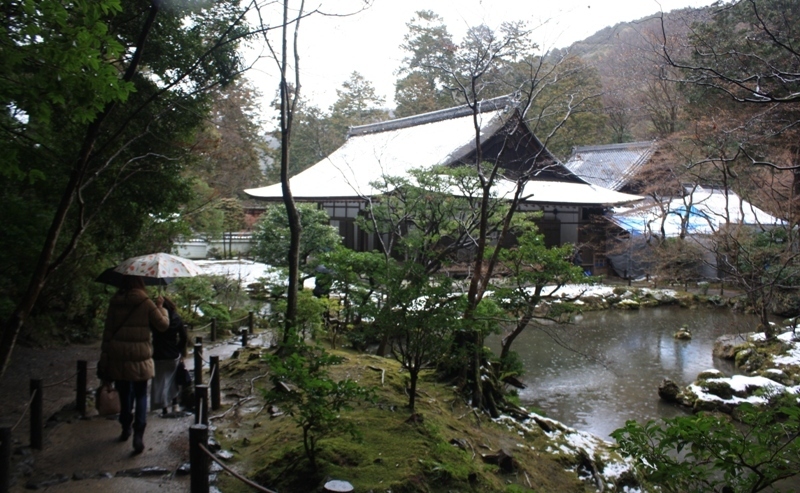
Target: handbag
{"points": [[106, 400], [183, 377]]}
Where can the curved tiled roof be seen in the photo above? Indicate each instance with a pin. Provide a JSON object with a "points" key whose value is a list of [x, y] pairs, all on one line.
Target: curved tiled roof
{"points": [[446, 137], [610, 166]]}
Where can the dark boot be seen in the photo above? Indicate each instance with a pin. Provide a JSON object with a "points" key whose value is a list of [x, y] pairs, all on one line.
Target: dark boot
{"points": [[138, 441], [125, 421]]}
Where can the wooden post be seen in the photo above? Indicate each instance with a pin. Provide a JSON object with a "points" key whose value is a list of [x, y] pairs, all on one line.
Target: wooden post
{"points": [[5, 459], [37, 426], [215, 391], [80, 394], [198, 364], [250, 322], [201, 404], [244, 337], [198, 435], [213, 329]]}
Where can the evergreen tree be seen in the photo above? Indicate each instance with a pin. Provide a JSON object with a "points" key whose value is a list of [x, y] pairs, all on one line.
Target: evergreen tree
{"points": [[91, 139]]}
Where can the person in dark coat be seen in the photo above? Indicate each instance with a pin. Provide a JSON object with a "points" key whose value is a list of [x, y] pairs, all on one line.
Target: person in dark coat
{"points": [[126, 354], [169, 348]]}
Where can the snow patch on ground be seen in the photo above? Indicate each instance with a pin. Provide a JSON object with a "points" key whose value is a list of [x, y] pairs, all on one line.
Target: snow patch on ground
{"points": [[247, 271], [575, 290]]}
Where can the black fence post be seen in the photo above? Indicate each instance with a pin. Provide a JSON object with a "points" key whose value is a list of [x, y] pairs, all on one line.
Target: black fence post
{"points": [[244, 337], [198, 364], [5, 459], [213, 335], [215, 391], [37, 426], [199, 461], [250, 322], [80, 391], [201, 404]]}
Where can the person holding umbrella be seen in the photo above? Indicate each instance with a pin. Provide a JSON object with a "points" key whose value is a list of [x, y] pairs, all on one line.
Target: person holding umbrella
{"points": [[126, 356], [169, 348]]}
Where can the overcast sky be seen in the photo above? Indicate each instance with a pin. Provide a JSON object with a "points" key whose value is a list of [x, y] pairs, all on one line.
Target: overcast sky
{"points": [[368, 42]]}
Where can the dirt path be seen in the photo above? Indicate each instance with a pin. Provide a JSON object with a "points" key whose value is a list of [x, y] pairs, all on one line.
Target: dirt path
{"points": [[83, 454]]}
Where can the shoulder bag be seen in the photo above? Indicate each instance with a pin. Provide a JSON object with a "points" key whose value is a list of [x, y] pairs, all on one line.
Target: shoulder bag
{"points": [[106, 400]]}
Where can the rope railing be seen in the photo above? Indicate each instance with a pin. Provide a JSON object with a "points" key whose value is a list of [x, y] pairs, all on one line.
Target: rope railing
{"points": [[238, 321], [25, 411], [201, 328], [62, 381], [220, 322], [233, 473], [200, 414], [213, 371]]}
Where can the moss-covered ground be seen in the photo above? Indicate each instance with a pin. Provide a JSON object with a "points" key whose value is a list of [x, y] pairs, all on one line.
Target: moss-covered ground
{"points": [[439, 452]]}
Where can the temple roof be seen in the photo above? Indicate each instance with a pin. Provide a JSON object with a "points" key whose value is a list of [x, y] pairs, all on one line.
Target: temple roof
{"points": [[439, 138], [610, 166]]}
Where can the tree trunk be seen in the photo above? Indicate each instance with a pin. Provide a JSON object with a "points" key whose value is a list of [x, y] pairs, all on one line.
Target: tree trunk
{"points": [[287, 114], [308, 445], [412, 398], [505, 345], [477, 384]]}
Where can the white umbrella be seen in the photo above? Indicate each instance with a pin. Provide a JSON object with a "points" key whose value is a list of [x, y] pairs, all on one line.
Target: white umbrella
{"points": [[159, 266]]}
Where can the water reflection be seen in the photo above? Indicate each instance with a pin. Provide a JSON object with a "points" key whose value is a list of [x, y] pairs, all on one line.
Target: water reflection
{"points": [[616, 360]]}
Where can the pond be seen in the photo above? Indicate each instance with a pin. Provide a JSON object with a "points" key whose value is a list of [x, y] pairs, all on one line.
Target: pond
{"points": [[614, 360]]}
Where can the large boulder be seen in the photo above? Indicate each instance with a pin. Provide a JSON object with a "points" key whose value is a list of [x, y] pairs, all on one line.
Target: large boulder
{"points": [[709, 374], [627, 304], [669, 390], [725, 347], [718, 387]]}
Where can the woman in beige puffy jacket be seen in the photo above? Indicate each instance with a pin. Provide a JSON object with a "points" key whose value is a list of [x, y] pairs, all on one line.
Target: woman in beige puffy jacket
{"points": [[126, 356]]}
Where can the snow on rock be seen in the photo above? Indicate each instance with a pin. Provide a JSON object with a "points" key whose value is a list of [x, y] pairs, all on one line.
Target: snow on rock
{"points": [[713, 391], [578, 445], [792, 356]]}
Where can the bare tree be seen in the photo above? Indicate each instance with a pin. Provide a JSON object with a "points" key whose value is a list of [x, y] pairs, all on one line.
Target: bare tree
{"points": [[284, 53], [486, 62]]}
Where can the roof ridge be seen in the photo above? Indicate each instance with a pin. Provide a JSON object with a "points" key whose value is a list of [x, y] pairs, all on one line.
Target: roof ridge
{"points": [[484, 106], [609, 147]]}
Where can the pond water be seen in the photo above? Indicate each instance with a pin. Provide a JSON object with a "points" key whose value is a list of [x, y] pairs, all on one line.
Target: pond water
{"points": [[605, 367]]}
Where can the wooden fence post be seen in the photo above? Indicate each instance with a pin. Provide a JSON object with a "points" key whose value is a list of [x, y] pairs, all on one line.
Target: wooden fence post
{"points": [[5, 459], [215, 391], [198, 364], [244, 337], [80, 391], [198, 435], [37, 426], [201, 404], [250, 322]]}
